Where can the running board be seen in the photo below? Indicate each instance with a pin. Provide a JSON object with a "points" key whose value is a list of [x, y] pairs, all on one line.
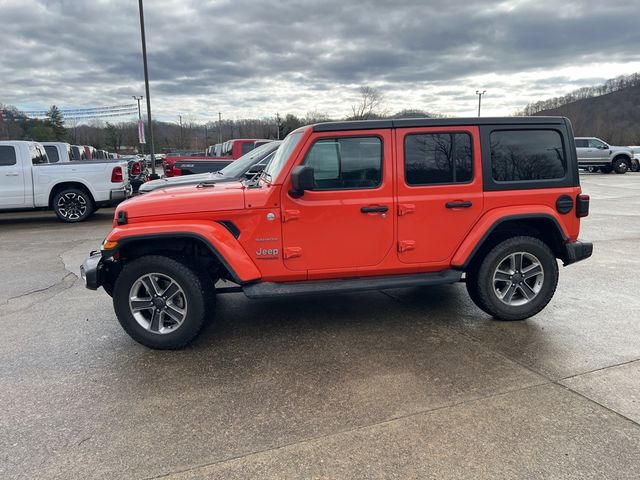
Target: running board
{"points": [[310, 287]]}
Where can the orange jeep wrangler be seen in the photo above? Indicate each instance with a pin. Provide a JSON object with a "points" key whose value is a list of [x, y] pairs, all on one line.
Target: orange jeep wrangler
{"points": [[350, 206]]}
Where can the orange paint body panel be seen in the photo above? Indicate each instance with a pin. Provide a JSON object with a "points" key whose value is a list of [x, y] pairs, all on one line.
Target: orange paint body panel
{"points": [[334, 233]]}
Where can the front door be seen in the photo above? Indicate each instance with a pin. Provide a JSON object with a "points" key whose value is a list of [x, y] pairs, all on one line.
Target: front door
{"points": [[12, 179], [439, 185], [346, 221]]}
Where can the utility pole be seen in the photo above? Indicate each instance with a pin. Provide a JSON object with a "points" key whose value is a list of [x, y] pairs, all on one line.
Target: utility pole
{"points": [[206, 140], [480, 94], [146, 87], [140, 124], [219, 127], [278, 125], [181, 142]]}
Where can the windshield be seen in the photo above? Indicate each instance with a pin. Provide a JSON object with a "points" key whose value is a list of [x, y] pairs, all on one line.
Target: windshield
{"points": [[282, 155], [241, 165]]}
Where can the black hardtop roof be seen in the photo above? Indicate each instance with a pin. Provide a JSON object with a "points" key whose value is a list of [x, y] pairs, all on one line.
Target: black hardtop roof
{"points": [[435, 122]]}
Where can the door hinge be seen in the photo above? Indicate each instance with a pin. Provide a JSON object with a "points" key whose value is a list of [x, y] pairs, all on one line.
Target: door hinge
{"points": [[406, 209], [404, 245], [288, 215], [292, 252]]}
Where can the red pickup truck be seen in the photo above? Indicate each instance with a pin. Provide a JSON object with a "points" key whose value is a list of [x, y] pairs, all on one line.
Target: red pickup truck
{"points": [[351, 206], [230, 151]]}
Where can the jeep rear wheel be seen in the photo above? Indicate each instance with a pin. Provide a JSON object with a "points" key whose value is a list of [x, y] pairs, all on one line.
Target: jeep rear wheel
{"points": [[620, 165], [160, 302], [516, 279]]}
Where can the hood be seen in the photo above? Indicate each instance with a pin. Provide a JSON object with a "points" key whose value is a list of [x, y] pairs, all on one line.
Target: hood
{"points": [[168, 182], [188, 199]]}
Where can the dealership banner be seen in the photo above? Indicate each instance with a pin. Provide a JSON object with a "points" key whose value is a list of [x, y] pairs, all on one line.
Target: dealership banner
{"points": [[141, 138]]}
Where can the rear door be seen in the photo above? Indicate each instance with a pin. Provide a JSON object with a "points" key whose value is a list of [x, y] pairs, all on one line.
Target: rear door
{"points": [[12, 178], [439, 185], [346, 221]]}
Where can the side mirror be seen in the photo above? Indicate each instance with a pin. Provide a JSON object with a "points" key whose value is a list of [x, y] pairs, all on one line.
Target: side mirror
{"points": [[302, 178]]}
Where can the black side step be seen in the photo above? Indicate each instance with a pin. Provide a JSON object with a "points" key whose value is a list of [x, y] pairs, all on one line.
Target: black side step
{"points": [[277, 289]]}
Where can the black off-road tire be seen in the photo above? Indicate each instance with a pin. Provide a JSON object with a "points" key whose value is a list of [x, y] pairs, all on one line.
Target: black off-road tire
{"points": [[73, 205], [198, 291], [635, 165], [620, 165], [481, 289]]}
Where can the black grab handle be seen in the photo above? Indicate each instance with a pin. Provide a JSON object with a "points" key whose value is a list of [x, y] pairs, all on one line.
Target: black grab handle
{"points": [[377, 209], [465, 204]]}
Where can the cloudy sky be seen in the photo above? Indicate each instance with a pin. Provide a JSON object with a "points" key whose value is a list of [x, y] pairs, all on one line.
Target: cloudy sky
{"points": [[252, 58]]}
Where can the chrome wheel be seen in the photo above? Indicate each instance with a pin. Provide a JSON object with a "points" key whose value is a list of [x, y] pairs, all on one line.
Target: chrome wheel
{"points": [[518, 278], [158, 303], [72, 206]]}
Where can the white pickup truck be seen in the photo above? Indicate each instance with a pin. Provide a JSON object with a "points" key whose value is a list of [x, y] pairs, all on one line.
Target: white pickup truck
{"points": [[73, 190]]}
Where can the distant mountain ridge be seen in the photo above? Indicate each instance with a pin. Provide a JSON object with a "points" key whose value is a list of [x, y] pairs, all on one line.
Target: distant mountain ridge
{"points": [[614, 117], [610, 111]]}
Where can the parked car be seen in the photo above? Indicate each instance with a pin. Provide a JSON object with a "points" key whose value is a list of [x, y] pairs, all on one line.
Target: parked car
{"points": [[72, 189], [78, 152], [244, 168], [350, 206], [635, 162], [138, 171], [595, 154], [231, 150], [89, 151]]}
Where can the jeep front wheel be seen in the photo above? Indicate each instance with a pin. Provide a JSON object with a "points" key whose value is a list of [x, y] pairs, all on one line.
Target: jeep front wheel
{"points": [[516, 279], [160, 302], [620, 165]]}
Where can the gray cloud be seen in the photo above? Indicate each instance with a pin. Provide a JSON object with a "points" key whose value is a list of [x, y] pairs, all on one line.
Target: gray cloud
{"points": [[251, 58]]}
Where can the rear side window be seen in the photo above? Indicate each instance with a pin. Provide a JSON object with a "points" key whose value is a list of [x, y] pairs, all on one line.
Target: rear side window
{"points": [[38, 155], [52, 153], [7, 156], [526, 155], [582, 143], [346, 163], [437, 158], [247, 147]]}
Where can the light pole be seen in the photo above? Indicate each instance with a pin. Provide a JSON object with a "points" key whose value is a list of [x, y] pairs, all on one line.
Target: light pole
{"points": [[146, 87], [278, 125], [181, 144], [480, 93], [140, 124], [219, 127]]}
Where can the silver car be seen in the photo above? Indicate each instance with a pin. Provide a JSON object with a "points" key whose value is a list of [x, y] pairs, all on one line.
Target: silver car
{"points": [[595, 154]]}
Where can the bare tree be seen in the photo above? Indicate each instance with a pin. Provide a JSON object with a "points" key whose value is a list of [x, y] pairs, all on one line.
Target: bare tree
{"points": [[370, 105]]}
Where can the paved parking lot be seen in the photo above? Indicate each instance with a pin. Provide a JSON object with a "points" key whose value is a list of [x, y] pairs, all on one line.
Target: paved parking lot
{"points": [[414, 383]]}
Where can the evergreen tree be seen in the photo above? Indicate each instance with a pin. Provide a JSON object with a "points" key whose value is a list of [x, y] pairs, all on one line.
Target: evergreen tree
{"points": [[55, 120]]}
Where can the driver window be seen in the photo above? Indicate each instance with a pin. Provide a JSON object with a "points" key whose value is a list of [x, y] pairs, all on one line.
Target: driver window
{"points": [[593, 143], [346, 163]]}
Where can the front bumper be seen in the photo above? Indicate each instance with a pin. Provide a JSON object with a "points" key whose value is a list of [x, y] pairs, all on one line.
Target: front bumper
{"points": [[576, 251], [91, 271]]}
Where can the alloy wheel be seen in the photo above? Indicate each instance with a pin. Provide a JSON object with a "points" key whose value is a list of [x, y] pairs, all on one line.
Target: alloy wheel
{"points": [[158, 303], [72, 206], [518, 278]]}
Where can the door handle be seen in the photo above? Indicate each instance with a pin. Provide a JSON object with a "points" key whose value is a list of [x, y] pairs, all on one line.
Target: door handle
{"points": [[12, 174], [462, 204], [376, 209]]}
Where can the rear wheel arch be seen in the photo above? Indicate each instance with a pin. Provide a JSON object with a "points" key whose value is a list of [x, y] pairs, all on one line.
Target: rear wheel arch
{"points": [[65, 185], [543, 227]]}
